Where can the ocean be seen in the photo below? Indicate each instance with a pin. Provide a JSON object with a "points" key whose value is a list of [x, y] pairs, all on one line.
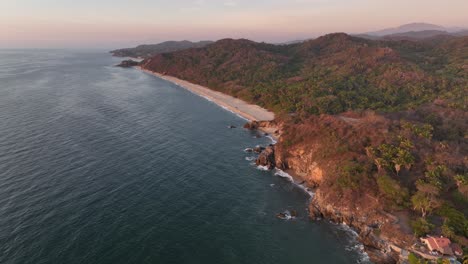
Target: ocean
{"points": [[100, 164]]}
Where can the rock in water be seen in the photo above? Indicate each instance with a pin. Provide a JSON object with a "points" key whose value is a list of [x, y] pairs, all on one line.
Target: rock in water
{"points": [[267, 158], [251, 125], [258, 149]]}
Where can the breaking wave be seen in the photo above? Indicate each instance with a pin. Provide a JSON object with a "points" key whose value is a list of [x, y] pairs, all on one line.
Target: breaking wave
{"points": [[273, 141], [353, 243], [301, 186], [263, 168]]}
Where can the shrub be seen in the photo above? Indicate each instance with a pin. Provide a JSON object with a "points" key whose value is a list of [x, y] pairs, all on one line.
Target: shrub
{"points": [[350, 175], [392, 190], [421, 227], [454, 220], [413, 259]]}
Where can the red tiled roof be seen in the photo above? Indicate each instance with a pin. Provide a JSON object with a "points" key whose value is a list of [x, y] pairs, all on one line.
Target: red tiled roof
{"points": [[441, 244]]}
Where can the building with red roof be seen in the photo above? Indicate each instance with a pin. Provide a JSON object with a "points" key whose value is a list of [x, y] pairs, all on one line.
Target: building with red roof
{"points": [[439, 244]]}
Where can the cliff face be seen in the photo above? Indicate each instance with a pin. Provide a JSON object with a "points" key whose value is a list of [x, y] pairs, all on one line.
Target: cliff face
{"points": [[311, 160], [334, 155], [366, 218]]}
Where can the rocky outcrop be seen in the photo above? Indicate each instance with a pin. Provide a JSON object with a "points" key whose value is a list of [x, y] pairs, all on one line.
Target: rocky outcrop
{"points": [[271, 128], [368, 223], [317, 161], [128, 64], [267, 158], [303, 163], [258, 149]]}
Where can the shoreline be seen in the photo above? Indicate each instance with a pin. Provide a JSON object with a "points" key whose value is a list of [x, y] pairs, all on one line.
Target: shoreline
{"points": [[250, 112], [223, 101]]}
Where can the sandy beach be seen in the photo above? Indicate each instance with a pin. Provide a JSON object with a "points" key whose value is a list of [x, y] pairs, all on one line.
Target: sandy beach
{"points": [[248, 111]]}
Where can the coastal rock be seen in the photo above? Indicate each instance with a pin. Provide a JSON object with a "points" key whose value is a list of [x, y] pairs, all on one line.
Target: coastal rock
{"points": [[302, 162], [370, 224], [267, 158], [253, 125], [268, 128], [287, 215], [313, 153], [128, 64], [258, 149]]}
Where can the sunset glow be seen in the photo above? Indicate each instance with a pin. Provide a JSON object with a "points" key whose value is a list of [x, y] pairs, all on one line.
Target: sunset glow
{"points": [[66, 23]]}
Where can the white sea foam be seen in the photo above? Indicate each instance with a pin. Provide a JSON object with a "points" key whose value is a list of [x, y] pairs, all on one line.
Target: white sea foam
{"points": [[263, 168], [237, 114], [273, 141], [354, 244], [307, 190], [250, 158], [284, 174], [286, 215], [207, 98]]}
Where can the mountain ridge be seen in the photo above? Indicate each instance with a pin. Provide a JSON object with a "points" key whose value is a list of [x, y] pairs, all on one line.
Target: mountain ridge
{"points": [[147, 50], [419, 26], [360, 121]]}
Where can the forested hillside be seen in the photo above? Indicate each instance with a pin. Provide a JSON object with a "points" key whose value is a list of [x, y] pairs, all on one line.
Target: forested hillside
{"points": [[362, 120], [145, 51], [331, 74]]}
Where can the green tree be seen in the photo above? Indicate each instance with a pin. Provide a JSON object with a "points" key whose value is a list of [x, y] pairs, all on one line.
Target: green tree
{"points": [[448, 231], [413, 259], [403, 158], [392, 190], [425, 199], [421, 227], [389, 157]]}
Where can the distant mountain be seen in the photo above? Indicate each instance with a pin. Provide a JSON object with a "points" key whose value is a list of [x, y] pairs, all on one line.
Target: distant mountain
{"points": [[294, 41], [462, 33], [417, 35], [145, 51], [407, 28], [414, 32]]}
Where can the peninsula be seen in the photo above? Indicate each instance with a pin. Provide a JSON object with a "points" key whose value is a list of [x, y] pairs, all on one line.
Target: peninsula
{"points": [[376, 127]]}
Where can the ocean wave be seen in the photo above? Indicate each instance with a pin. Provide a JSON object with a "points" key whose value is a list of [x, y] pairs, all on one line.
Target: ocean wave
{"points": [[237, 114], [263, 168], [250, 158], [286, 215], [283, 174], [354, 244], [248, 150], [301, 186], [207, 98], [273, 141]]}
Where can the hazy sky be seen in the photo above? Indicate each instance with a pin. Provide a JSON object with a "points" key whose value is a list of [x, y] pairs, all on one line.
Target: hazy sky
{"points": [[116, 23]]}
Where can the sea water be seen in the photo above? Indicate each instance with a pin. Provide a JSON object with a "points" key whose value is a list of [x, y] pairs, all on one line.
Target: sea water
{"points": [[100, 164]]}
